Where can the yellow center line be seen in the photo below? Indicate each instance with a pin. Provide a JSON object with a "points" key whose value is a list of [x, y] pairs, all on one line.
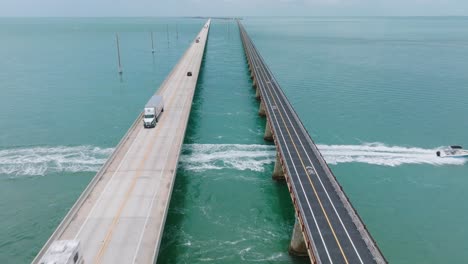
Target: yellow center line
{"points": [[116, 218], [300, 220], [310, 180], [177, 69], [192, 45], [313, 186]]}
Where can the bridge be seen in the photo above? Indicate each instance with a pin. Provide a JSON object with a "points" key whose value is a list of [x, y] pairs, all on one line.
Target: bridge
{"points": [[328, 229], [120, 216]]}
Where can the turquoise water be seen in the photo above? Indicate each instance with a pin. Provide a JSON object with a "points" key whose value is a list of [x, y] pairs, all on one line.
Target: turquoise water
{"points": [[378, 95]]}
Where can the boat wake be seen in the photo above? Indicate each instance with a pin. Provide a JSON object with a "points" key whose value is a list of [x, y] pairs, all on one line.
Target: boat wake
{"points": [[201, 157], [38, 161], [381, 154]]}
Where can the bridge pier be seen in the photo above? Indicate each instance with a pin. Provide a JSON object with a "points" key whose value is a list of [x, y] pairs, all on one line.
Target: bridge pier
{"points": [[261, 110], [278, 173], [298, 246], [297, 164], [257, 93], [268, 136]]}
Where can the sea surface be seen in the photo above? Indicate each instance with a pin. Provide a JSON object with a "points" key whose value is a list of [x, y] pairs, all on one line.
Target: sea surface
{"points": [[378, 95]]}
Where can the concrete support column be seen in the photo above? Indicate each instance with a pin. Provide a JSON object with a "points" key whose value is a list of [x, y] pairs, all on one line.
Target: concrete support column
{"points": [[257, 93], [268, 136], [251, 75], [278, 171], [261, 110], [254, 83], [298, 246]]}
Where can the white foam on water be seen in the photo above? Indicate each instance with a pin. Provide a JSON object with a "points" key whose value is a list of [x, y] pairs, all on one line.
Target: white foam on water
{"points": [[381, 154], [38, 161], [202, 157]]}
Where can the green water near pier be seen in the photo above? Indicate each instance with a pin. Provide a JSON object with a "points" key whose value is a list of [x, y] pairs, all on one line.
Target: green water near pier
{"points": [[378, 95]]}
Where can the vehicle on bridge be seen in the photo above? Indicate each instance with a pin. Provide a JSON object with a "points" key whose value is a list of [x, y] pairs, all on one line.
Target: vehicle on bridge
{"points": [[63, 252], [153, 110], [453, 152]]}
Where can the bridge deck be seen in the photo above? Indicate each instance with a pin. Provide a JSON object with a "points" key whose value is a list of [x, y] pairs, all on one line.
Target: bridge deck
{"points": [[120, 216], [333, 231]]}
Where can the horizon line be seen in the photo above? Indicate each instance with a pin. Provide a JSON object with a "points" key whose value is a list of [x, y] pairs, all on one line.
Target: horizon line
{"points": [[223, 17]]}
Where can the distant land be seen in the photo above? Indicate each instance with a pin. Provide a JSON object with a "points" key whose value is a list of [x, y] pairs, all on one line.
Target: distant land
{"points": [[220, 18]]}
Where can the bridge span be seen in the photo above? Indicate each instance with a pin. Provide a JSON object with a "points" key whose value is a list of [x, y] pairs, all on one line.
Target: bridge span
{"points": [[328, 229], [120, 216]]}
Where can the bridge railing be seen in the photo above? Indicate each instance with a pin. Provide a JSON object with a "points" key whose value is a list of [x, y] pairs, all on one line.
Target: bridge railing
{"points": [[357, 220], [71, 213]]}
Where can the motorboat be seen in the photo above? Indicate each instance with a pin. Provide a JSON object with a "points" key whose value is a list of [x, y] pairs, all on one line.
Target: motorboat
{"points": [[453, 152]]}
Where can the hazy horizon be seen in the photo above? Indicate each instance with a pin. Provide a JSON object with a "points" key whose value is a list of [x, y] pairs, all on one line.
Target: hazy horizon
{"points": [[230, 8], [240, 16]]}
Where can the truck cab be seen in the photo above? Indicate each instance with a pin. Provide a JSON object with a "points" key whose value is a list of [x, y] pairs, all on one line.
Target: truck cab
{"points": [[152, 111], [149, 118], [63, 252]]}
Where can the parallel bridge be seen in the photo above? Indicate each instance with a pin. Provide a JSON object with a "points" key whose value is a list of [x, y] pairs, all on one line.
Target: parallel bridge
{"points": [[120, 216], [328, 229]]}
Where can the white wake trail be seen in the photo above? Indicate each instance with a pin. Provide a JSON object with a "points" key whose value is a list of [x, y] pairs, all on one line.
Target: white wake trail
{"points": [[38, 161], [200, 157], [381, 154]]}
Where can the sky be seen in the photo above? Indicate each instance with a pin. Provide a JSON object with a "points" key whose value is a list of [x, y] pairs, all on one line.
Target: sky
{"points": [[117, 8]]}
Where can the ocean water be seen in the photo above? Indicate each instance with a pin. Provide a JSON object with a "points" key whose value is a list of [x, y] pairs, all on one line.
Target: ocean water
{"points": [[378, 95]]}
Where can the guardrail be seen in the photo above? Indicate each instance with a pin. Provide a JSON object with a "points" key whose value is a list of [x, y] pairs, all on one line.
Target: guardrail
{"points": [[71, 213], [356, 219]]}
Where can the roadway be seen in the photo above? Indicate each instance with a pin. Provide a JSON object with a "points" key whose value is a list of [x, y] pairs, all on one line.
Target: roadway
{"points": [[333, 231], [120, 216]]}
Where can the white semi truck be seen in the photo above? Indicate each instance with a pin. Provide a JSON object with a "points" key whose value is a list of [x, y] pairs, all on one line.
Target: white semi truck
{"points": [[153, 110], [63, 252]]}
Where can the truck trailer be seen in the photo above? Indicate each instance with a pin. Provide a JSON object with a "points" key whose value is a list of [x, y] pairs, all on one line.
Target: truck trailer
{"points": [[153, 110]]}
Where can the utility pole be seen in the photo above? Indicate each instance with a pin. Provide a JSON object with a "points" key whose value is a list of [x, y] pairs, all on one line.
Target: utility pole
{"points": [[118, 53]]}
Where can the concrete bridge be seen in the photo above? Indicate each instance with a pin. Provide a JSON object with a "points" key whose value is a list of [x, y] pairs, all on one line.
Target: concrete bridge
{"points": [[120, 216], [328, 229]]}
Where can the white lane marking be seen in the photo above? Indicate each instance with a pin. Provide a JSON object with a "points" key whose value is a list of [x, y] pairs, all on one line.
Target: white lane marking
{"points": [[314, 169], [195, 55], [118, 168], [302, 187], [328, 196], [300, 181], [150, 207], [323, 186], [108, 183]]}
